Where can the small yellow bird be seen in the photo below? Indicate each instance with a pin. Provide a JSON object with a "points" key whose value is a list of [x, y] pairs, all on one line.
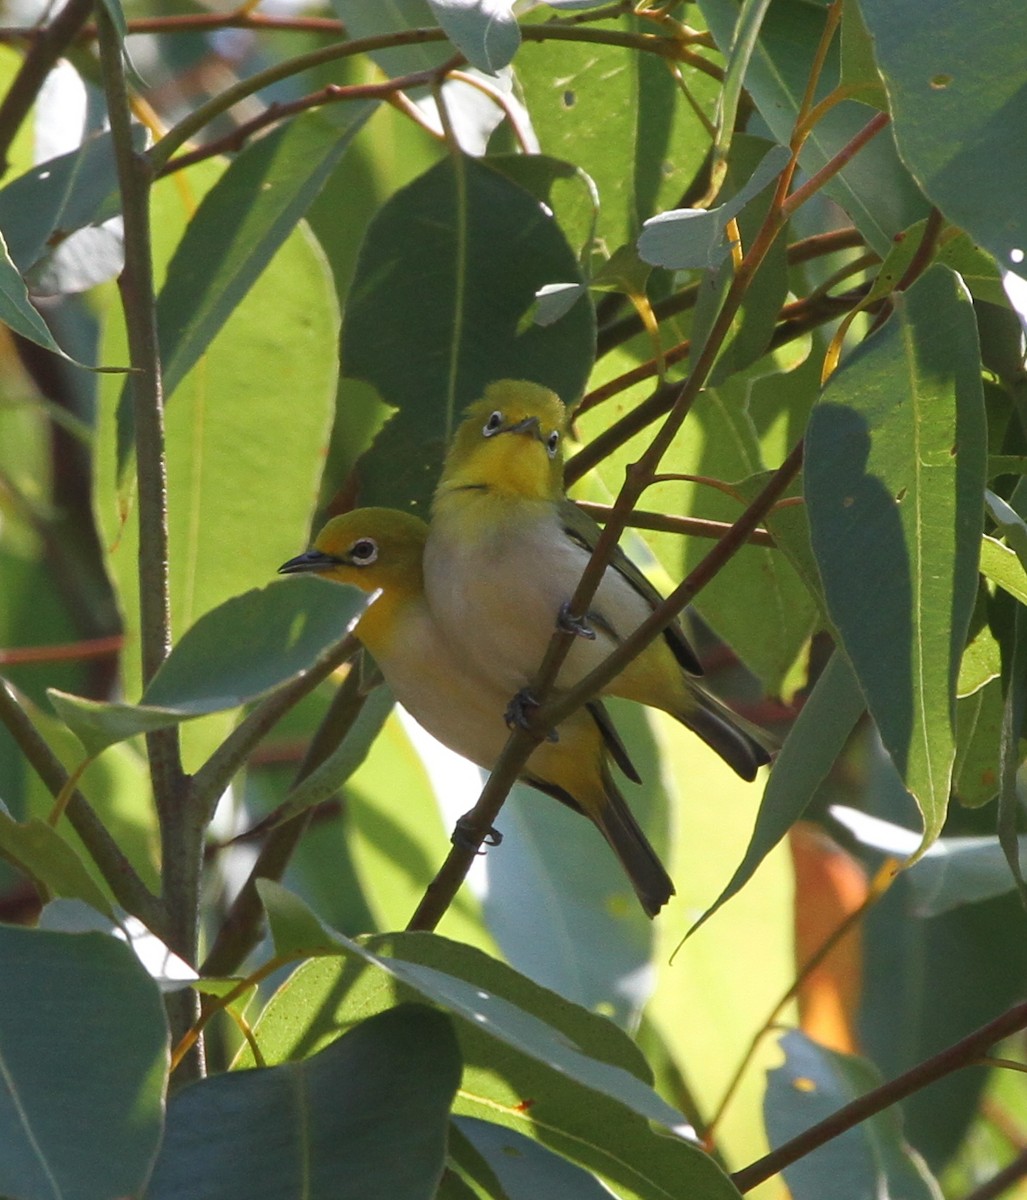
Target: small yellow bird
{"points": [[380, 550], [506, 550]]}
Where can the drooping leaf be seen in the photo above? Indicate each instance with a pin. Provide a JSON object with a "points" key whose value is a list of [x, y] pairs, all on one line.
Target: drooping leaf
{"points": [[895, 471], [245, 439], [241, 223], [694, 238], [39, 850], [58, 196], [810, 750]]}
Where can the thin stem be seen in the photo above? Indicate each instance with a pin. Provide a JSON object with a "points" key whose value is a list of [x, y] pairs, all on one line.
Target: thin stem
{"points": [[179, 134], [49, 44], [331, 94], [119, 874], [181, 829], [963, 1053], [815, 182], [666, 523]]}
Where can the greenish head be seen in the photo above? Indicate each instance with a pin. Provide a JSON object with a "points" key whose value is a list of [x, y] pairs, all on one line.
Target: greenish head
{"points": [[370, 547], [509, 442]]}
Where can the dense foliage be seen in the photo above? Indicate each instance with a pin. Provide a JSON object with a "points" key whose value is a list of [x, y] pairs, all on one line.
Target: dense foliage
{"points": [[255, 265]]}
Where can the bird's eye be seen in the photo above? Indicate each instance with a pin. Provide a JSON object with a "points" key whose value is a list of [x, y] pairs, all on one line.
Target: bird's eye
{"points": [[364, 552], [494, 424], [552, 443]]}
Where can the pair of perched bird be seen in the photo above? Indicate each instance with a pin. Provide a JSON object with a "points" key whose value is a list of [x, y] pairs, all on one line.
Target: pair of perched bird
{"points": [[466, 608]]}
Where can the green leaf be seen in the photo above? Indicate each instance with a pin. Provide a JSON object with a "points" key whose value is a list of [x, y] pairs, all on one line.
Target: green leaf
{"points": [[958, 91], [365, 1119], [978, 737], [532, 1061], [811, 749], [363, 20], [874, 188], [325, 780], [859, 73], [953, 872], [487, 247], [622, 118], [895, 470], [83, 1065], [42, 853], [484, 31], [239, 651], [873, 1159], [1001, 565], [240, 225], [525, 1169]]}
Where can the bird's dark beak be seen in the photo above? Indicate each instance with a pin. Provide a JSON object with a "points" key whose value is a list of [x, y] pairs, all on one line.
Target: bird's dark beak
{"points": [[529, 426], [312, 560]]}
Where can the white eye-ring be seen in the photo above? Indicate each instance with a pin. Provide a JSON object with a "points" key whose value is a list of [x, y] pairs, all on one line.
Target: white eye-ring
{"points": [[363, 552], [493, 425], [552, 443]]}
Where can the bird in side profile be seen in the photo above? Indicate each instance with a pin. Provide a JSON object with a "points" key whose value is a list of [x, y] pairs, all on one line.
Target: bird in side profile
{"points": [[506, 550], [380, 551]]}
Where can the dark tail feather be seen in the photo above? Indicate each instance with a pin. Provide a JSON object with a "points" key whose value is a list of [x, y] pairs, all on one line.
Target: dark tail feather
{"points": [[738, 742], [653, 886]]}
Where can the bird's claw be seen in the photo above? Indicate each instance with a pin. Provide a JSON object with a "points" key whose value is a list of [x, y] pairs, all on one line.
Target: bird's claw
{"points": [[465, 836], [579, 626], [517, 714]]}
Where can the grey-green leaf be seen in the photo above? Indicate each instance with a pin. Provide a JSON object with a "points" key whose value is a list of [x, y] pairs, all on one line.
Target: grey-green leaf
{"points": [[895, 472], [365, 1119], [233, 654], [83, 1064], [871, 1160], [958, 91]]}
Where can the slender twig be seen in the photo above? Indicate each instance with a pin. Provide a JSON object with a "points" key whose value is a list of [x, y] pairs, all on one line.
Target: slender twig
{"points": [[119, 874], [190, 125], [214, 776], [667, 523], [48, 45], [828, 171], [102, 647], [963, 1053], [280, 111], [240, 930]]}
